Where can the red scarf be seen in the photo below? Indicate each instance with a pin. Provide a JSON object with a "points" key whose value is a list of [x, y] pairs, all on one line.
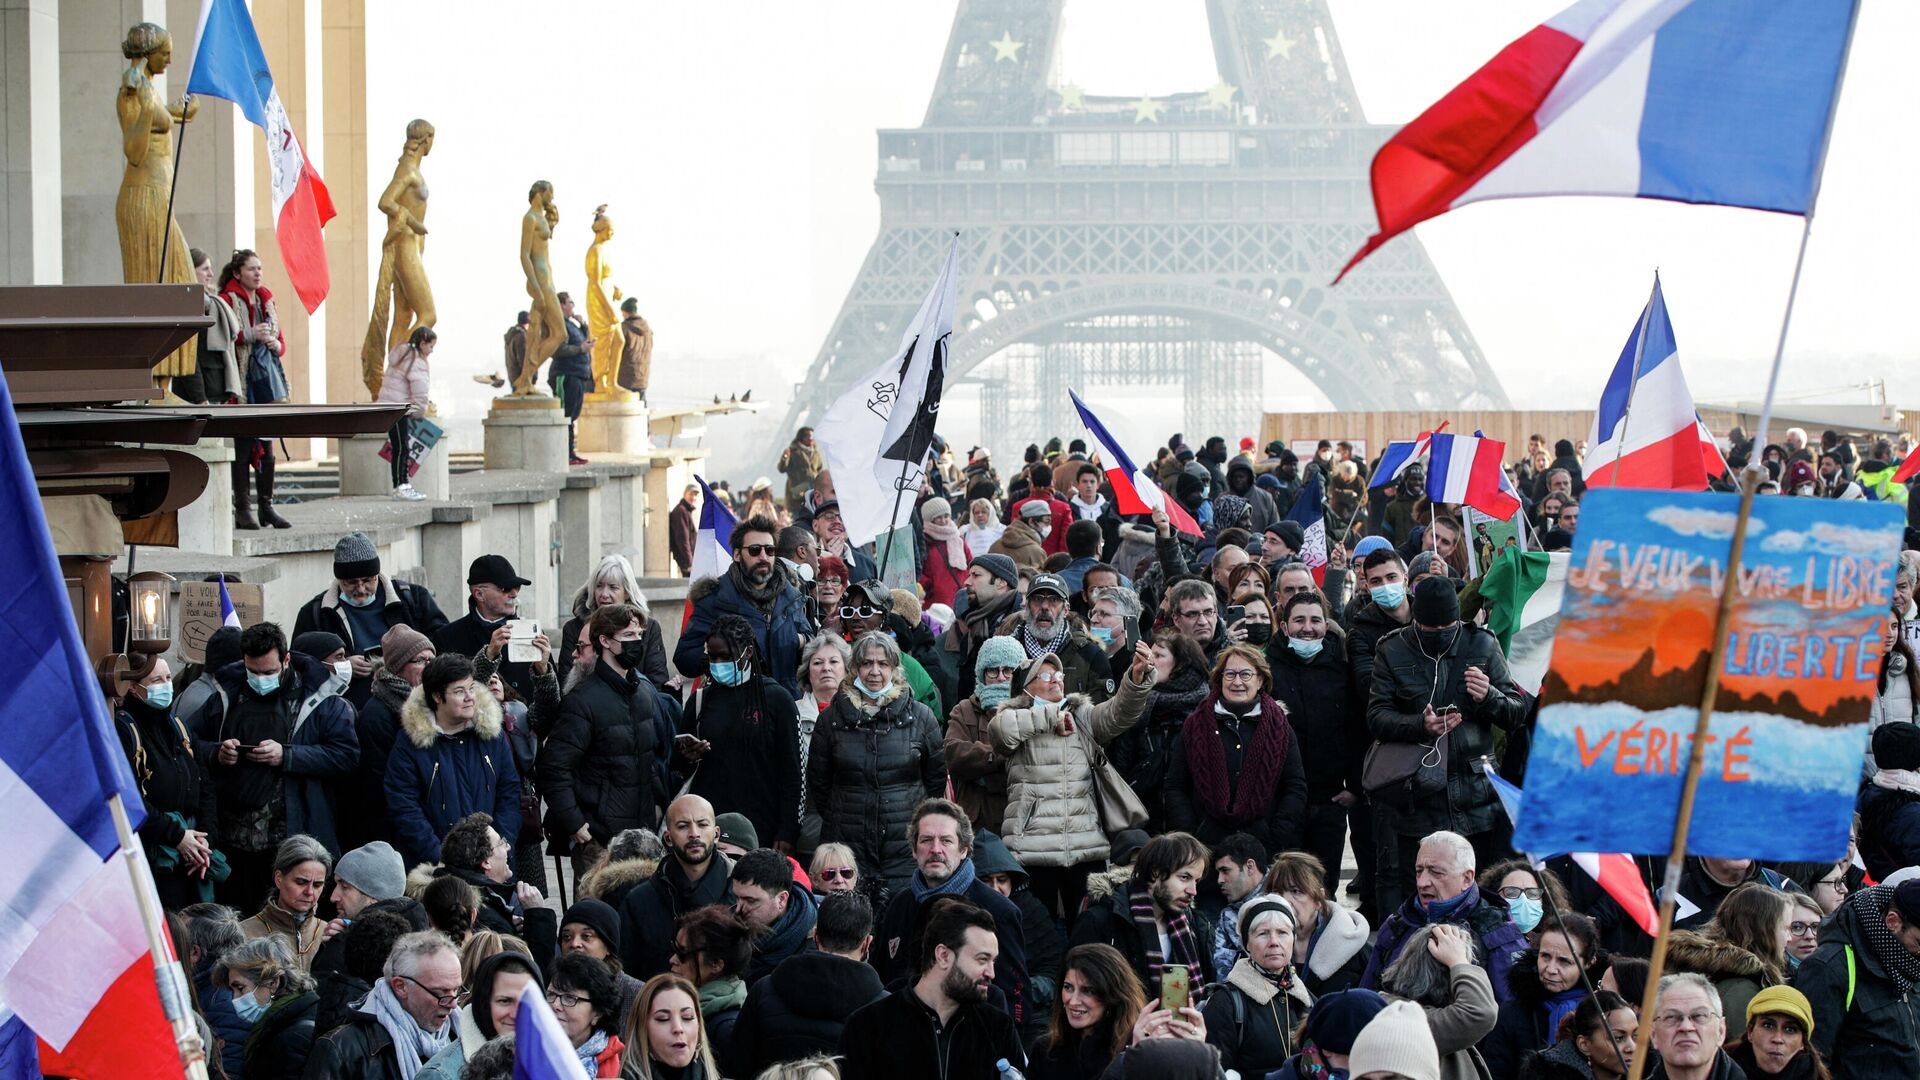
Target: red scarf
{"points": [[1260, 767]]}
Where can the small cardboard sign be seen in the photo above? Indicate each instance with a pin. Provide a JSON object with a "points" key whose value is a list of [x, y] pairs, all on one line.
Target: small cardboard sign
{"points": [[200, 613]]}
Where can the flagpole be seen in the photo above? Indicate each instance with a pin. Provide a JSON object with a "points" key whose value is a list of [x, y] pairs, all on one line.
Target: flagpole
{"points": [[172, 983], [166, 225], [1730, 583], [1633, 385], [893, 519]]}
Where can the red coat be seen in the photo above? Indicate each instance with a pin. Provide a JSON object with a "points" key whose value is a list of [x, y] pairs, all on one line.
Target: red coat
{"points": [[940, 580]]}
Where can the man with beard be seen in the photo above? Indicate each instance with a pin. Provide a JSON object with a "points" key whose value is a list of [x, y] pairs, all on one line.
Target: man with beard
{"points": [[1153, 920], [831, 528], [992, 593], [943, 852], [1045, 627], [941, 1025], [754, 590], [693, 876]]}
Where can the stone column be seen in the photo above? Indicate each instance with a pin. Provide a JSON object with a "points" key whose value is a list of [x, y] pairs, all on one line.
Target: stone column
{"points": [[91, 160], [30, 227], [614, 426], [526, 433], [350, 256]]}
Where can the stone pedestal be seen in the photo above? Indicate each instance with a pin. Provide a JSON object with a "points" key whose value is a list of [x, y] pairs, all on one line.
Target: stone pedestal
{"points": [[526, 433], [364, 472], [206, 523], [616, 426]]}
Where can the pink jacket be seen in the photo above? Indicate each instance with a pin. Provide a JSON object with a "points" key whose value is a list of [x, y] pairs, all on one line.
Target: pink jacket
{"points": [[406, 380]]}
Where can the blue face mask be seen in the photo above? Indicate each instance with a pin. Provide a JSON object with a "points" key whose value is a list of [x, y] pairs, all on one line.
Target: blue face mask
{"points": [[160, 695], [263, 684], [1526, 913], [727, 672], [872, 695], [1101, 634], [1388, 597], [991, 694], [249, 1007], [351, 602], [1306, 648]]}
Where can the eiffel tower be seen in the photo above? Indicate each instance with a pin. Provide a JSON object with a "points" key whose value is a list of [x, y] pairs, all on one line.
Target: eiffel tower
{"points": [[1166, 244]]}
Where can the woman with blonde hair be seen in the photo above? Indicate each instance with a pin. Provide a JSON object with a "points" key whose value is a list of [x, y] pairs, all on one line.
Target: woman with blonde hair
{"points": [[983, 528], [613, 581], [664, 1034]]}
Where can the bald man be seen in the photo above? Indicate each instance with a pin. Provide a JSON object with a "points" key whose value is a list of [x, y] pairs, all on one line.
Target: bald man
{"points": [[694, 875]]}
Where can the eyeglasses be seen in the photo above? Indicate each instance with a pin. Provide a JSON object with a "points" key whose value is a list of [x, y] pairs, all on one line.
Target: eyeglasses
{"points": [[1515, 892], [1837, 883], [565, 1001], [757, 550], [1048, 676], [1802, 929], [1699, 1018], [862, 611], [446, 999], [997, 672], [838, 873], [1237, 675]]}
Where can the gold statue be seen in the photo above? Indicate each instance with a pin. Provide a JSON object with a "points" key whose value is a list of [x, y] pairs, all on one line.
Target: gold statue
{"points": [[141, 212], [547, 326], [402, 293], [601, 319]]}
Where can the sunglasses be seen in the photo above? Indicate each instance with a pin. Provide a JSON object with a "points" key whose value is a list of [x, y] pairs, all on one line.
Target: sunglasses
{"points": [[757, 550], [838, 873], [862, 611]]}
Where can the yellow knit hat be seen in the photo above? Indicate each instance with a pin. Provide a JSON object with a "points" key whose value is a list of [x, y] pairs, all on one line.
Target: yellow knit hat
{"points": [[1782, 999]]}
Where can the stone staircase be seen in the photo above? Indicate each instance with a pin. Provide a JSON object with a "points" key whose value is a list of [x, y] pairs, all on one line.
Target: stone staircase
{"points": [[307, 481]]}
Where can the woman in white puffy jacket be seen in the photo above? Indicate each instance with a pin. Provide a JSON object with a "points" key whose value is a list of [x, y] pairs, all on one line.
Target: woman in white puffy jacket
{"points": [[405, 383]]}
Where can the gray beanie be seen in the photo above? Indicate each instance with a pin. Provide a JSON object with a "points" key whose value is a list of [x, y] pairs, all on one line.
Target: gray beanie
{"points": [[1000, 566], [375, 869], [355, 557]]}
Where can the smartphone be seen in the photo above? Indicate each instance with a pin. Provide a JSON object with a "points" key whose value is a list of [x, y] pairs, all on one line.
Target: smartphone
{"points": [[1236, 612], [1132, 624], [687, 742], [1176, 988]]}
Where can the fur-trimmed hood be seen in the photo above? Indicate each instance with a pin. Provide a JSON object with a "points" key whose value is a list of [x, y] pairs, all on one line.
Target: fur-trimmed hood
{"points": [[416, 720], [616, 878], [1113, 881], [419, 878], [1345, 935], [1688, 950]]}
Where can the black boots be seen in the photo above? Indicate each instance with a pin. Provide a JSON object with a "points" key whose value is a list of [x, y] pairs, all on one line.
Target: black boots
{"points": [[242, 512], [269, 516]]}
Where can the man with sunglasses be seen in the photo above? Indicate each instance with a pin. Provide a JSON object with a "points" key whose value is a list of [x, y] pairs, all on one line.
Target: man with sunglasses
{"points": [[868, 606], [755, 588]]}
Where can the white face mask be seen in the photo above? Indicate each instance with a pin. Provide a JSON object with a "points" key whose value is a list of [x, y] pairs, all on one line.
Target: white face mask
{"points": [[344, 669]]}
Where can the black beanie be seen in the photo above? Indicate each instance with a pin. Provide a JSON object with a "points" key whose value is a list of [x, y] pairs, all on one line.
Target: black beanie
{"points": [[1563, 448], [223, 648], [1897, 746], [600, 916], [1435, 603]]}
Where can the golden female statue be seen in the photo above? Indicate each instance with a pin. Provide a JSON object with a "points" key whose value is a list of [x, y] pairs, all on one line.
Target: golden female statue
{"points": [[146, 136], [601, 319], [402, 293], [546, 326]]}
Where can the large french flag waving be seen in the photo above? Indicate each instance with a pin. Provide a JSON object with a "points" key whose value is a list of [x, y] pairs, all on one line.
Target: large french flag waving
{"points": [[1646, 433], [1699, 101], [229, 63], [75, 970], [1134, 492]]}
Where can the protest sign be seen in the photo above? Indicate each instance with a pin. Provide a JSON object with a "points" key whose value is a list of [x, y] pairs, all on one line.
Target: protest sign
{"points": [[1488, 536], [422, 436], [200, 613], [1621, 697]]}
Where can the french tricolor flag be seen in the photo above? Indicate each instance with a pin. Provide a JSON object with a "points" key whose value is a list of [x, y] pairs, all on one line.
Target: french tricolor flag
{"points": [[1615, 872], [229, 63], [1699, 101], [1467, 470], [1646, 433], [1400, 456], [712, 543], [75, 969], [1134, 492], [228, 616], [541, 1048]]}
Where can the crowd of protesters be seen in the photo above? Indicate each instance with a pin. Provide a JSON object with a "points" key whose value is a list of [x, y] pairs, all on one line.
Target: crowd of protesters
{"points": [[1087, 800]]}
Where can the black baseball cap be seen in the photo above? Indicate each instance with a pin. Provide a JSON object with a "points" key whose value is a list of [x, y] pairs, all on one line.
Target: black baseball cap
{"points": [[1048, 583], [494, 570]]}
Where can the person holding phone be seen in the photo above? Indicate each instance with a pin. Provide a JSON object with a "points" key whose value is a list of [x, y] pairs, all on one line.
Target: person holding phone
{"points": [[1442, 678]]}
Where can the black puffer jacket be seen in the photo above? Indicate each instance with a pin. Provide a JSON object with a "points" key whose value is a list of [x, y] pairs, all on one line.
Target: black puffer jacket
{"points": [[1142, 752], [1328, 721], [282, 1038], [596, 768], [867, 771], [800, 1008], [1405, 680]]}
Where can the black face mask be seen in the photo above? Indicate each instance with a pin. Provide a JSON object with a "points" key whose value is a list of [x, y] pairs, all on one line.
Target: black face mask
{"points": [[1259, 633], [1435, 642], [632, 653]]}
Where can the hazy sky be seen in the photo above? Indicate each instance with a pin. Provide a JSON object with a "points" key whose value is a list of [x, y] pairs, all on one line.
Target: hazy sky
{"points": [[734, 143]]}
